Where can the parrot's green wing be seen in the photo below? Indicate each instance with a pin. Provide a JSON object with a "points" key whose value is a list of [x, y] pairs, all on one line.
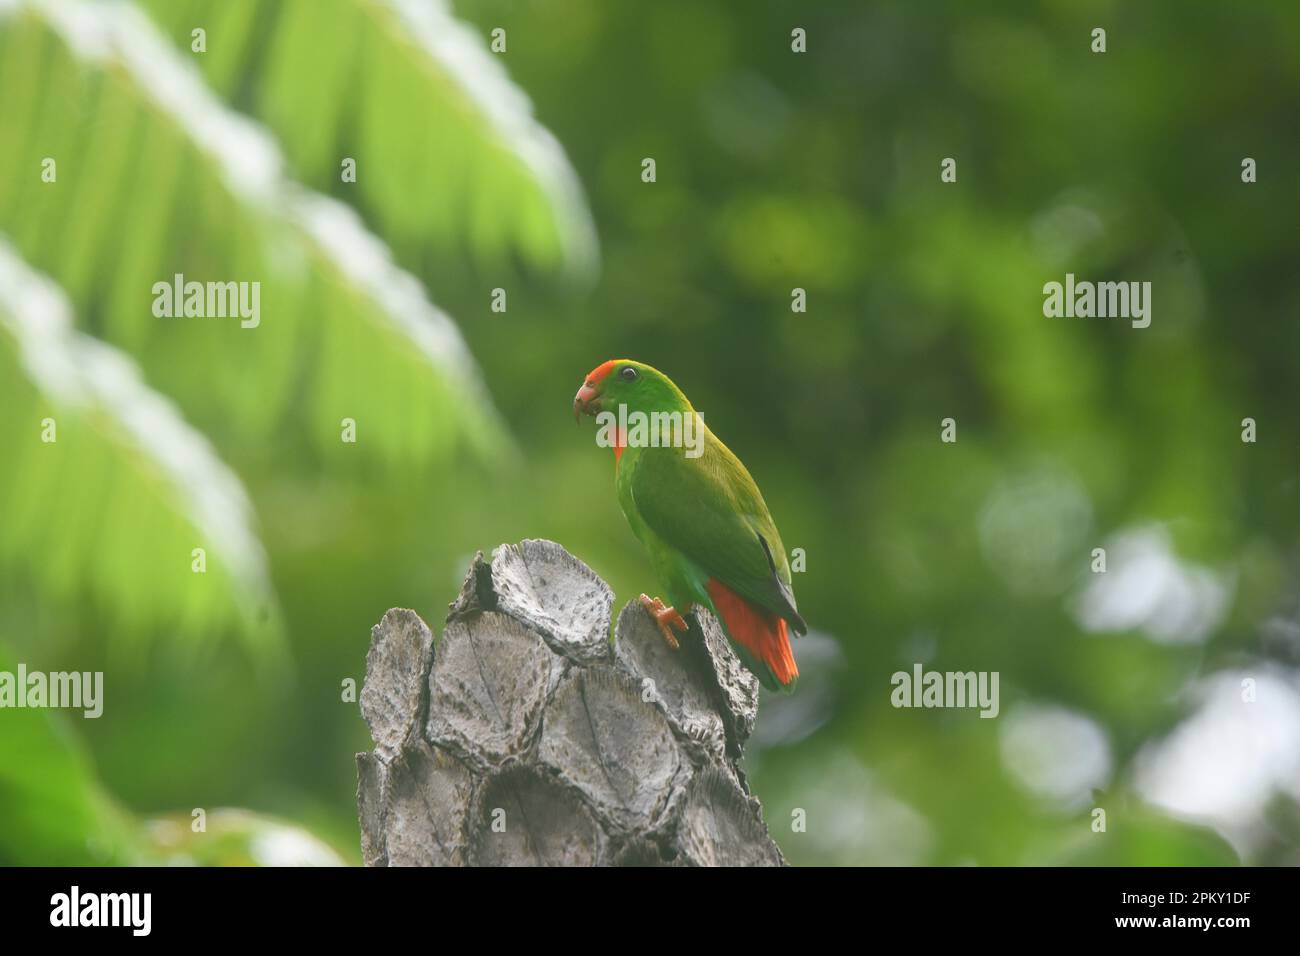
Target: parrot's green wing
{"points": [[709, 509]]}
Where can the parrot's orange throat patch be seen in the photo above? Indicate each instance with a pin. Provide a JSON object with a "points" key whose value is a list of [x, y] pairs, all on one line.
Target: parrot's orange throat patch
{"points": [[763, 634]]}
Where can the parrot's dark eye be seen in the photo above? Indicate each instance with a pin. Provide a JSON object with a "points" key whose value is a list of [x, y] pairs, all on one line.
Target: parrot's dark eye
{"points": [[627, 373]]}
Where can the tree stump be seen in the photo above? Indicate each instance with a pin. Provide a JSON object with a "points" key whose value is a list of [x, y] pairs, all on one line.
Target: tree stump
{"points": [[525, 738]]}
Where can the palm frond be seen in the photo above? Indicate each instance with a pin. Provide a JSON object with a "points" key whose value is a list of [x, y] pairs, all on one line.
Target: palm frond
{"points": [[156, 178], [56, 812], [107, 492], [450, 157]]}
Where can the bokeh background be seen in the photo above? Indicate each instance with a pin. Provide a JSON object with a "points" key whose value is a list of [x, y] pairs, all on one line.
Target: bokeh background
{"points": [[521, 171]]}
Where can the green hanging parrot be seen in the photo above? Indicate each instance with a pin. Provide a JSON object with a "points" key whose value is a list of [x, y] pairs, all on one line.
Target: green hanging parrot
{"points": [[701, 518]]}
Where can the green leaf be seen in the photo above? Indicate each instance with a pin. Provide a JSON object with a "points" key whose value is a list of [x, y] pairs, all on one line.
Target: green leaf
{"points": [[234, 837], [107, 492], [54, 810], [449, 156], [156, 178]]}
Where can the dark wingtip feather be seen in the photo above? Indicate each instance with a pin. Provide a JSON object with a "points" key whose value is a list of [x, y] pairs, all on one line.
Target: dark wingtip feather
{"points": [[784, 595]]}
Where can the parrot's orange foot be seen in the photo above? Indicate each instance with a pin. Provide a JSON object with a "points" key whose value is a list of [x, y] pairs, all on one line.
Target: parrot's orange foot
{"points": [[666, 618]]}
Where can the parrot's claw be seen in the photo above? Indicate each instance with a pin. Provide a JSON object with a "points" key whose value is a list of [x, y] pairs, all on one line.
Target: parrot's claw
{"points": [[665, 618]]}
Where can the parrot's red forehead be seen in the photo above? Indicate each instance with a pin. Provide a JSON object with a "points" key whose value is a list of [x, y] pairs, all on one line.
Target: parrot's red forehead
{"points": [[600, 371]]}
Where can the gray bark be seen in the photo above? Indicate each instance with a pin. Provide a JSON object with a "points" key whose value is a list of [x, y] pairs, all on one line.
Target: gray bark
{"points": [[525, 738]]}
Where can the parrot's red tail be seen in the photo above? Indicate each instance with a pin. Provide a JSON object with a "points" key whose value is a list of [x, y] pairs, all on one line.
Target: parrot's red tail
{"points": [[760, 633]]}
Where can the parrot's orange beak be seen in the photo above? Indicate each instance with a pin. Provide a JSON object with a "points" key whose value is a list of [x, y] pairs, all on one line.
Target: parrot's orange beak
{"points": [[584, 401]]}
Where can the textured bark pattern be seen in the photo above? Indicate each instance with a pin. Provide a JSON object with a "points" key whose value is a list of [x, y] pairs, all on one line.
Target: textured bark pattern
{"points": [[525, 738]]}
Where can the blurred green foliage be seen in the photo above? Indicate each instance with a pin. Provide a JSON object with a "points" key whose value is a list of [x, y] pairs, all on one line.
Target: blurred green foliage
{"points": [[775, 170]]}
